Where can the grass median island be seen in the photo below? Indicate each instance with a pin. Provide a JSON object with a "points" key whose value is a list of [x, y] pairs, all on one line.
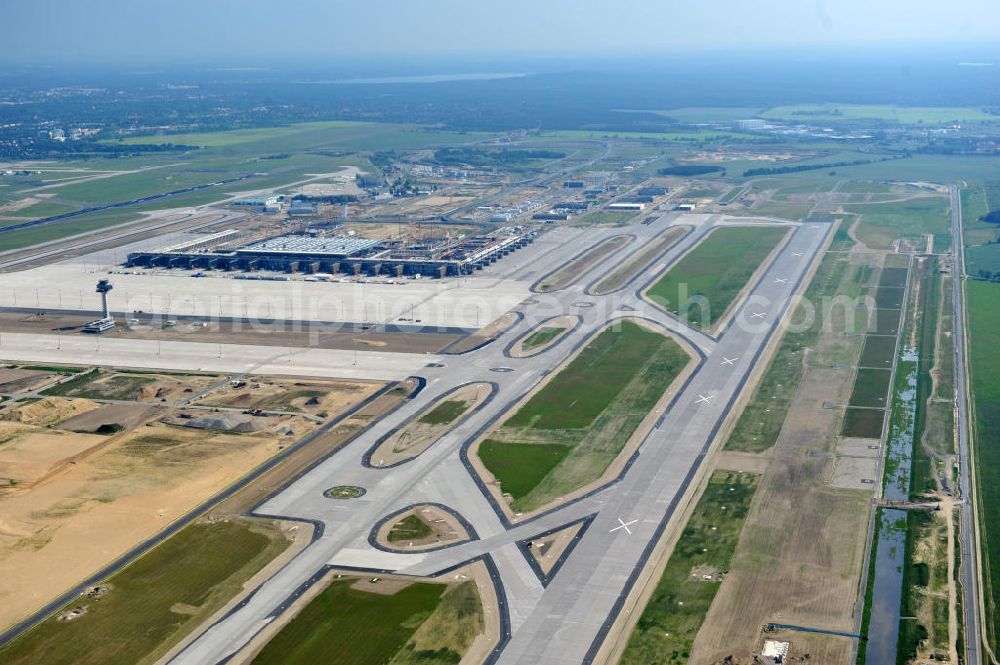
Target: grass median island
{"points": [[984, 335], [670, 621], [445, 412], [138, 613], [411, 527], [572, 429], [569, 273], [422, 623], [541, 337], [714, 273], [640, 261]]}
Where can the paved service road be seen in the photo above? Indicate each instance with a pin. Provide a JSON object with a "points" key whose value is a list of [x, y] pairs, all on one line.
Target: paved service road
{"points": [[969, 569], [566, 620]]}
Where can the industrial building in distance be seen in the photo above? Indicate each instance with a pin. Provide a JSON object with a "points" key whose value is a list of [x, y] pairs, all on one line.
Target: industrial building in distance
{"points": [[337, 252]]}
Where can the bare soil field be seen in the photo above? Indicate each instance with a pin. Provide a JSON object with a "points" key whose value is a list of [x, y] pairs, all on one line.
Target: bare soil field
{"points": [[136, 386], [426, 429], [27, 453], [291, 395], [14, 380], [128, 416], [75, 522], [800, 554], [47, 411]]}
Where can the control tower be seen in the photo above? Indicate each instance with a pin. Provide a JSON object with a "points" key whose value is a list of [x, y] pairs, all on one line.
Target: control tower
{"points": [[107, 322]]}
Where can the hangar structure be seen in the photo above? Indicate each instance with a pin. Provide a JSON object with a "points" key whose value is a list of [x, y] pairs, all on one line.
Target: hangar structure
{"points": [[339, 253]]}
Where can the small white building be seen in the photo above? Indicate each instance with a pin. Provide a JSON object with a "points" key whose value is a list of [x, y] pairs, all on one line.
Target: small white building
{"points": [[626, 206]]}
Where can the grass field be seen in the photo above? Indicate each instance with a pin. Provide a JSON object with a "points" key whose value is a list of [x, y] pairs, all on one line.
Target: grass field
{"points": [[984, 333], [448, 632], [884, 322], [153, 602], [870, 387], [878, 351], [671, 620], [881, 223], [703, 284], [351, 627], [889, 297], [907, 115], [863, 423], [411, 527], [520, 467], [613, 217], [541, 337], [572, 429]]}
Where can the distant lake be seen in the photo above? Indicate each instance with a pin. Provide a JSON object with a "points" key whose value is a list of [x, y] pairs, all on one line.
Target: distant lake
{"points": [[427, 78]]}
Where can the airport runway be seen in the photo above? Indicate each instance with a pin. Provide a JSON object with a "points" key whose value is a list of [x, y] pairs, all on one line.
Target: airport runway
{"points": [[566, 620]]}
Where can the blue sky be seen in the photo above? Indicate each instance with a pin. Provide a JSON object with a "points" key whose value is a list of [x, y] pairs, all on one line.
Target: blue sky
{"points": [[184, 30]]}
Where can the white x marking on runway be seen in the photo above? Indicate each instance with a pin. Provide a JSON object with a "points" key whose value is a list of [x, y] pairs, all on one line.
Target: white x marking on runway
{"points": [[780, 280], [703, 398], [728, 361], [796, 253], [757, 315], [622, 524]]}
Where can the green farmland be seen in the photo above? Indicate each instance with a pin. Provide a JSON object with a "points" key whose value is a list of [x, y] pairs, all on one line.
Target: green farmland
{"points": [[669, 623], [984, 333], [714, 273], [154, 602], [572, 429]]}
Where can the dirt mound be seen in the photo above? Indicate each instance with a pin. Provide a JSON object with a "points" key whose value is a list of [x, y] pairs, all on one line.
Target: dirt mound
{"points": [[222, 422], [47, 411]]}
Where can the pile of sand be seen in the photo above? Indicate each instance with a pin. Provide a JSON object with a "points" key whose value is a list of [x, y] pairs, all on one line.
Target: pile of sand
{"points": [[47, 411]]}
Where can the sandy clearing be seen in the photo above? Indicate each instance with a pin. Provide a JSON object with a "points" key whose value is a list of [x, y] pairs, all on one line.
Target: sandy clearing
{"points": [[70, 526], [28, 453], [47, 411]]}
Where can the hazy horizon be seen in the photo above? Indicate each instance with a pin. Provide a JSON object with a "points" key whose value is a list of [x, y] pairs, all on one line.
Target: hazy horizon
{"points": [[57, 31]]}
